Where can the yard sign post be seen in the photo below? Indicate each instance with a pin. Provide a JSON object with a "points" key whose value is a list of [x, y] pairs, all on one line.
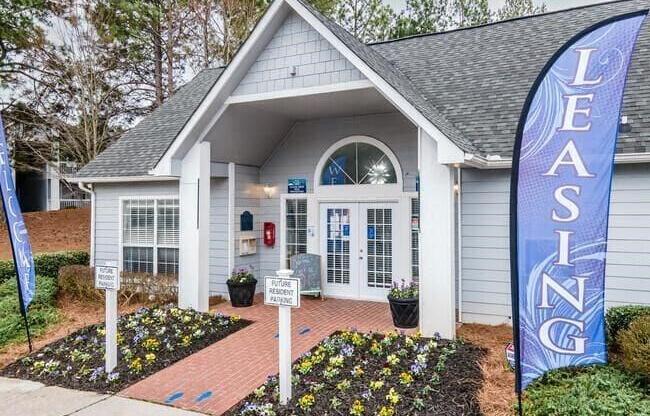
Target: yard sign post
{"points": [[283, 291], [108, 278]]}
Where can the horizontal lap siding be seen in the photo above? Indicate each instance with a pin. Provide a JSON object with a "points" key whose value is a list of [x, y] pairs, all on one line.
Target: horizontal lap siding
{"points": [[247, 198], [107, 221], [218, 250], [485, 244]]}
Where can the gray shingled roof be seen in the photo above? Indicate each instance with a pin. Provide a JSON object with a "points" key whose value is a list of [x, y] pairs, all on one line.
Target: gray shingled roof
{"points": [[479, 78], [470, 83], [139, 149]]}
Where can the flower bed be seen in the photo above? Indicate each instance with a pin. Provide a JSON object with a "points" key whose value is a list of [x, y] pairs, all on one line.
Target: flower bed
{"points": [[148, 341], [356, 374]]}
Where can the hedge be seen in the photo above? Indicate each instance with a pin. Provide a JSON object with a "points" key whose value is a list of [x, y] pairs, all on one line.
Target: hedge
{"points": [[619, 318], [42, 310], [46, 264], [596, 390]]}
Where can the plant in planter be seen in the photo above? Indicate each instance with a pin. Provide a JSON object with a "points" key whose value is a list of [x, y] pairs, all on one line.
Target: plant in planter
{"points": [[404, 304], [241, 287]]}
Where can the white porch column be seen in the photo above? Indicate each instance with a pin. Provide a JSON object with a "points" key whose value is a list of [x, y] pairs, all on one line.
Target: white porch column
{"points": [[437, 284], [194, 199]]}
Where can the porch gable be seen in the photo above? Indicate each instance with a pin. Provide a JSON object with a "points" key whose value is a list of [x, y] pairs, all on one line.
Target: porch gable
{"points": [[297, 56]]}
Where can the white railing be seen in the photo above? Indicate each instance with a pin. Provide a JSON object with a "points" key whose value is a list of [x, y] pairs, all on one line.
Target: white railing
{"points": [[74, 203]]}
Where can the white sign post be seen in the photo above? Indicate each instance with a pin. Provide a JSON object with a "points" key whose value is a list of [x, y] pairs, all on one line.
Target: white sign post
{"points": [[283, 291], [108, 278]]}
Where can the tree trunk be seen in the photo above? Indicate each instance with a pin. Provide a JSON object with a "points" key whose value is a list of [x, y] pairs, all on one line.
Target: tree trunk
{"points": [[157, 60]]}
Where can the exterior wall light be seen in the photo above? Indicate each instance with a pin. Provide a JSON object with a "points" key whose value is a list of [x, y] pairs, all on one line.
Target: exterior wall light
{"points": [[268, 191]]}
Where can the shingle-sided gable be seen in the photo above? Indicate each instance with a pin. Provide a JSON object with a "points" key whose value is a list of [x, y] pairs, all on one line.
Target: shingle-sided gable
{"points": [[296, 46], [139, 149]]}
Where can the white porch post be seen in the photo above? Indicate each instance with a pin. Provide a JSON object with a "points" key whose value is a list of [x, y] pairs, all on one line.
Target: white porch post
{"points": [[437, 291], [194, 199]]}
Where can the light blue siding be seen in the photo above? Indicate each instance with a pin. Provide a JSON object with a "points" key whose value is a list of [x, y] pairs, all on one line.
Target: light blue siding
{"points": [[485, 243], [297, 44]]}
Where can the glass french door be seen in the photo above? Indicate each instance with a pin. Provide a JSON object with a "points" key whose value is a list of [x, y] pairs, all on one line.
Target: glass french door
{"points": [[339, 227], [357, 249]]}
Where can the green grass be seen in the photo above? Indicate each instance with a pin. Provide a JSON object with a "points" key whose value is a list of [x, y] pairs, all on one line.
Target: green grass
{"points": [[597, 390], [41, 313]]}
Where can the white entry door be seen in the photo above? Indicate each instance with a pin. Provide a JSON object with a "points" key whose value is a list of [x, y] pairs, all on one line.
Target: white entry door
{"points": [[339, 248], [376, 249], [357, 249]]}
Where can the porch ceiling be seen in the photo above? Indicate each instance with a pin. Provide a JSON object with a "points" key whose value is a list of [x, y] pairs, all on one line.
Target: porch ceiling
{"points": [[248, 132]]}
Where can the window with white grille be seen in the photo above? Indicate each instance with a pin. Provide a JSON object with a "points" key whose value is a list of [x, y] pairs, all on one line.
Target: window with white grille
{"points": [[150, 234], [296, 228], [415, 239], [380, 247]]}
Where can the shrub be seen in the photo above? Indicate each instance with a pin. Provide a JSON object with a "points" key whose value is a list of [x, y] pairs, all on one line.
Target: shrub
{"points": [[619, 318], [635, 346], [46, 264], [78, 282], [598, 390], [145, 287], [41, 313]]}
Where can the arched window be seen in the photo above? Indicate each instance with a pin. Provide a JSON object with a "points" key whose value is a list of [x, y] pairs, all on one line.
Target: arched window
{"points": [[358, 163]]}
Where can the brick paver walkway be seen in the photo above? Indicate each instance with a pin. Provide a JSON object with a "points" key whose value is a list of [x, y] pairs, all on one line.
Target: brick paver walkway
{"points": [[219, 376]]}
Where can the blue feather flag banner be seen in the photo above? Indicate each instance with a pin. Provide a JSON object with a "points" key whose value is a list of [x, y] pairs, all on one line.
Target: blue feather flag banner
{"points": [[22, 249], [561, 180]]}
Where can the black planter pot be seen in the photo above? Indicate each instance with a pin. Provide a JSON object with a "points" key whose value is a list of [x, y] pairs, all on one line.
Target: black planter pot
{"points": [[406, 312], [241, 294]]}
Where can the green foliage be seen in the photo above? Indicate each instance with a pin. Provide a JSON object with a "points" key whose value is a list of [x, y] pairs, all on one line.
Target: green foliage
{"points": [[471, 12], [518, 8], [600, 390], [19, 27], [422, 16], [635, 346], [46, 264], [41, 313], [367, 20], [619, 318]]}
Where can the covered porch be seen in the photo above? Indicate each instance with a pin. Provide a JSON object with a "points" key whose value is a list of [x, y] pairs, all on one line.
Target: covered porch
{"points": [[379, 190]]}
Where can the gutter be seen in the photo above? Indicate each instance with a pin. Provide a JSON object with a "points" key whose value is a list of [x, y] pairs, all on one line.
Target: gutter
{"points": [[117, 179], [497, 162], [88, 189]]}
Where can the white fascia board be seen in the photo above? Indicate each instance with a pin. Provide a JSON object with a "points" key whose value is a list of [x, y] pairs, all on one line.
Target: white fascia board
{"points": [[481, 162], [448, 152], [301, 92], [224, 86], [117, 179]]}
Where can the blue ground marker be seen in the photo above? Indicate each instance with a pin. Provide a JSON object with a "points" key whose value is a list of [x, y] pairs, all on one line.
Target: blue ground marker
{"points": [[304, 330], [203, 396], [173, 397]]}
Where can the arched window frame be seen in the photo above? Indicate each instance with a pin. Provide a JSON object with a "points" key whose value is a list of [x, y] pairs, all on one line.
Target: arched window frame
{"points": [[358, 139]]}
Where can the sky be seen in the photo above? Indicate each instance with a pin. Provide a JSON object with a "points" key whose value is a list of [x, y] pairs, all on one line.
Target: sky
{"points": [[495, 4]]}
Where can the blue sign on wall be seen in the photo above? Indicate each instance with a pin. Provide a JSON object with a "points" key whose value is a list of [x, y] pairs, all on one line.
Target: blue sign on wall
{"points": [[562, 171], [371, 232], [297, 185]]}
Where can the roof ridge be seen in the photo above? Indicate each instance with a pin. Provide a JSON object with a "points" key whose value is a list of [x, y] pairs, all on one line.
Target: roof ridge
{"points": [[512, 19]]}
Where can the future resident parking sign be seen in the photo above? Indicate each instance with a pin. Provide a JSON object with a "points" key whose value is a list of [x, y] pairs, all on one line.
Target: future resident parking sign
{"points": [[562, 171]]}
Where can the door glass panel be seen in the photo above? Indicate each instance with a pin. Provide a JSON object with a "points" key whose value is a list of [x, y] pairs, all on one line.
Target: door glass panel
{"points": [[338, 245], [380, 247]]}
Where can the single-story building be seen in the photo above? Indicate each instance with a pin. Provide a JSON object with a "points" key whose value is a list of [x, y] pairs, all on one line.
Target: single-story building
{"points": [[390, 160]]}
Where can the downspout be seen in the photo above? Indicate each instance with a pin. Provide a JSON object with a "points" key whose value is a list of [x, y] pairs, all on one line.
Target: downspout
{"points": [[88, 189], [459, 239]]}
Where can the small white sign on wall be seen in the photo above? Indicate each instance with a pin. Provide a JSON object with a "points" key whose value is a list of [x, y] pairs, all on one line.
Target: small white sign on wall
{"points": [[107, 277], [282, 291]]}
